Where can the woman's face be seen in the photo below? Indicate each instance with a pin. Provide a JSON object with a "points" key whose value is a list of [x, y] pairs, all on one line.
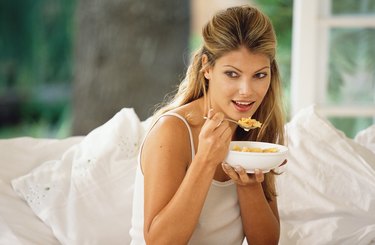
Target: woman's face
{"points": [[238, 82]]}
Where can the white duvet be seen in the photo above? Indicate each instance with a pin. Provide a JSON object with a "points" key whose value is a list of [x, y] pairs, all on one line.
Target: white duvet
{"points": [[79, 190], [18, 223], [327, 192]]}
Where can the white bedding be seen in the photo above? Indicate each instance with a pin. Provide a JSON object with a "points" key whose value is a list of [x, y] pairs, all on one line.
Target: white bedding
{"points": [[18, 223], [326, 193]]}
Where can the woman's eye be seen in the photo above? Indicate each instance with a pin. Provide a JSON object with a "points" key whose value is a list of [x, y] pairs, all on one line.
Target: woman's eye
{"points": [[261, 75], [231, 74]]}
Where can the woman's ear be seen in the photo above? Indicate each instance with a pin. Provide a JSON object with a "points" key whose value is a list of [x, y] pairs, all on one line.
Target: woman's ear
{"points": [[206, 71], [207, 74], [204, 60]]}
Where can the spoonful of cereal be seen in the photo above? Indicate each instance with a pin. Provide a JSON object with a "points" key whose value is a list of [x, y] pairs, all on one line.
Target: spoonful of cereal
{"points": [[246, 123]]}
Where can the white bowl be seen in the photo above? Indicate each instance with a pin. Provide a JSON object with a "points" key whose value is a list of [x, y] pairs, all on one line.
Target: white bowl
{"points": [[264, 161]]}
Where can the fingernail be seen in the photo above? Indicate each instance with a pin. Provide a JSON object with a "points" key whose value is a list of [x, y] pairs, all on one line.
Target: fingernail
{"points": [[209, 114], [238, 169], [226, 166]]}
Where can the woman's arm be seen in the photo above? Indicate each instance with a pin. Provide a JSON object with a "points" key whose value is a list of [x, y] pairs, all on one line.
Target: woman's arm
{"points": [[260, 218], [174, 191]]}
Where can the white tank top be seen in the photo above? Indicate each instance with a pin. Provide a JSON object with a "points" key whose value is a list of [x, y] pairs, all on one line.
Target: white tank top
{"points": [[219, 222]]}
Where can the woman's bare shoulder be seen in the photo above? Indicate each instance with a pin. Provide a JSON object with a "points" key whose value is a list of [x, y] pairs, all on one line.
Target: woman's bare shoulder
{"points": [[167, 126], [167, 143]]}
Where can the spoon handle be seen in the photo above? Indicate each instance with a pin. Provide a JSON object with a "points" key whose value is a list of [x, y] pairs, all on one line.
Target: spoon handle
{"points": [[228, 119], [244, 127]]}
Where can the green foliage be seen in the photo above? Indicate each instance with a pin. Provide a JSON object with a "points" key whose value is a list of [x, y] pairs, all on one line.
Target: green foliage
{"points": [[35, 54], [41, 127], [351, 65], [342, 7], [350, 126], [35, 41]]}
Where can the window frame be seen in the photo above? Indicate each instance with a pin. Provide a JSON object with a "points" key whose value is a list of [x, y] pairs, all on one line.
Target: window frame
{"points": [[312, 23]]}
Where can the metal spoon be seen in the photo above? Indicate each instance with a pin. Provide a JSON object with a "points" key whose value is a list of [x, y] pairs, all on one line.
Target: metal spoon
{"points": [[244, 127]]}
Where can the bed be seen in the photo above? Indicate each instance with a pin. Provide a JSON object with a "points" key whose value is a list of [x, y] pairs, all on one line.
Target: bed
{"points": [[79, 190]]}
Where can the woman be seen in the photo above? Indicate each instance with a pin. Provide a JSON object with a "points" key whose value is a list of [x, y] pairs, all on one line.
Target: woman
{"points": [[184, 192]]}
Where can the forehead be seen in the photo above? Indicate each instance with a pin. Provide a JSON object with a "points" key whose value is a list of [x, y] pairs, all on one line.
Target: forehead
{"points": [[242, 58]]}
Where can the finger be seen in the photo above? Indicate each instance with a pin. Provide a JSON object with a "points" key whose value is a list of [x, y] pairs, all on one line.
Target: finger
{"points": [[216, 120], [259, 176], [210, 113], [226, 133], [283, 163], [218, 117], [221, 128], [230, 171], [219, 124], [243, 175], [212, 121]]}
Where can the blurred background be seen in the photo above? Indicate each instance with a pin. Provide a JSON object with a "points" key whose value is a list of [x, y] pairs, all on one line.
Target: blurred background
{"points": [[67, 66]]}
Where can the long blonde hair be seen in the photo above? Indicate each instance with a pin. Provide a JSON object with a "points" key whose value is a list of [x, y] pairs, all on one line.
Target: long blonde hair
{"points": [[228, 30]]}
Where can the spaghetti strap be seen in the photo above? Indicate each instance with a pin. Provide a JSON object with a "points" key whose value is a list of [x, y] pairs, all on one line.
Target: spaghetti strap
{"points": [[152, 125], [188, 127]]}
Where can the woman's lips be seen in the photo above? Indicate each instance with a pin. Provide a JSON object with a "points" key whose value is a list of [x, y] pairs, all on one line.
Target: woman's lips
{"points": [[243, 106]]}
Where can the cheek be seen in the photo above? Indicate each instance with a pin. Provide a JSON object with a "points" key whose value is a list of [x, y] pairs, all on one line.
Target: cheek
{"points": [[263, 88], [263, 91], [221, 87], [229, 88]]}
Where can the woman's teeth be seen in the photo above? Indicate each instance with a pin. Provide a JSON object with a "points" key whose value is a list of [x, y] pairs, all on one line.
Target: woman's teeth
{"points": [[243, 103]]}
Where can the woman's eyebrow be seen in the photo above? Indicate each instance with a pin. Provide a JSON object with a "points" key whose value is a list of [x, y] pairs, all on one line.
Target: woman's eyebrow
{"points": [[241, 71], [262, 69], [233, 67]]}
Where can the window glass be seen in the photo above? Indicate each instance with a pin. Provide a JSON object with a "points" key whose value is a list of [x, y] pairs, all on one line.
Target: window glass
{"points": [[351, 125], [351, 73], [345, 7]]}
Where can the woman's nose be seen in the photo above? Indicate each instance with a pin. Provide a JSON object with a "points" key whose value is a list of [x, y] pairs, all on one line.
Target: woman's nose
{"points": [[245, 88]]}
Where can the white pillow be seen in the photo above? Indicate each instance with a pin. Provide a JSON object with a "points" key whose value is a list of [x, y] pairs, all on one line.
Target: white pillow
{"points": [[327, 190], [366, 138], [86, 196]]}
